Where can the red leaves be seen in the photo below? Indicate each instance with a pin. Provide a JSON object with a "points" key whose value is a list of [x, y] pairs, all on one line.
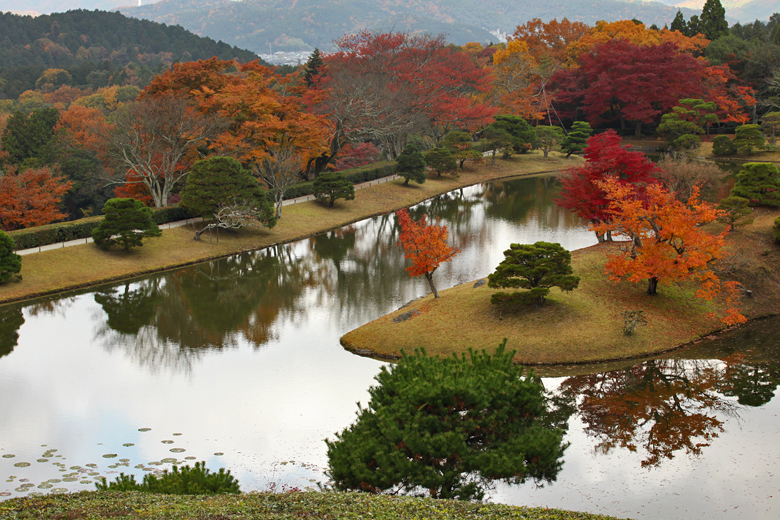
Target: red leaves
{"points": [[605, 157], [424, 244], [31, 198]]}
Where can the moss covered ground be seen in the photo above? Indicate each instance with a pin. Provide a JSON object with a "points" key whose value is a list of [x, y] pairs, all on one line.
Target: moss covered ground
{"points": [[266, 506]]}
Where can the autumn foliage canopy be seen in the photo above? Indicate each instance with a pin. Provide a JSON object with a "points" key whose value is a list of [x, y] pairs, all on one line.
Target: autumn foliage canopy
{"points": [[425, 245]]}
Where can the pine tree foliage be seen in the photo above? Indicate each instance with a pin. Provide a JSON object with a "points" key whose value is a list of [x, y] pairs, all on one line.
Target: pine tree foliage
{"points": [[535, 267], [215, 180], [449, 427], [10, 262], [312, 68], [713, 22], [575, 142], [759, 183], [441, 161], [748, 138], [411, 164], [127, 222], [332, 186], [180, 481]]}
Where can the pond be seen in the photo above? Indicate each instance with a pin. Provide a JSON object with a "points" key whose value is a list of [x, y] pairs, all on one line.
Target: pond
{"points": [[237, 362]]}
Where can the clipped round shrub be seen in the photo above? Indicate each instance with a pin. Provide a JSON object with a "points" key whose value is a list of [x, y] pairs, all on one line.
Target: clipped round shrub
{"points": [[127, 222], [723, 145]]}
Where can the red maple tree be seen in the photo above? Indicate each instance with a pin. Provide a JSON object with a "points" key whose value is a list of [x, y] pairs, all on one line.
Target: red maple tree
{"points": [[425, 245], [666, 241], [31, 198], [605, 156], [622, 81]]}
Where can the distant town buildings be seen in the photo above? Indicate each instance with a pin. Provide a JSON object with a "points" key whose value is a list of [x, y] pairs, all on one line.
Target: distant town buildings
{"points": [[287, 58]]}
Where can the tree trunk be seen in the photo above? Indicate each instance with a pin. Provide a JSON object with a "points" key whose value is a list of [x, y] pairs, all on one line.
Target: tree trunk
{"points": [[429, 277], [652, 286], [638, 129]]}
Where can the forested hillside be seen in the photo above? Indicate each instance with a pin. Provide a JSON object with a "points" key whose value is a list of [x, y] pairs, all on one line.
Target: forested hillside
{"points": [[305, 24], [96, 49]]}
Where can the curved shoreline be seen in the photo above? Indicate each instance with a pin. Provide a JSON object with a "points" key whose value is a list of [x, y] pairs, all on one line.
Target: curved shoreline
{"points": [[57, 282]]}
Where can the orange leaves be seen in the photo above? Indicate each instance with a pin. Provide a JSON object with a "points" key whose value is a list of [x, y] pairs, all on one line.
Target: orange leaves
{"points": [[86, 127], [666, 240], [425, 245], [31, 198]]}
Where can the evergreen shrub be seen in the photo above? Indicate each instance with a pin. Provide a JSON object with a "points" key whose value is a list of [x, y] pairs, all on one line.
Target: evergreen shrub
{"points": [[185, 481], [723, 145]]}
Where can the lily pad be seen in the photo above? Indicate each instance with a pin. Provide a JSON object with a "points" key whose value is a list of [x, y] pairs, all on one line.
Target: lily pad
{"points": [[176, 434], [70, 479], [219, 453], [177, 450], [45, 485], [5, 494], [22, 464], [190, 458], [21, 489], [8, 456], [110, 455], [169, 460], [59, 490], [42, 460], [144, 429], [54, 481], [91, 465], [167, 442], [85, 482]]}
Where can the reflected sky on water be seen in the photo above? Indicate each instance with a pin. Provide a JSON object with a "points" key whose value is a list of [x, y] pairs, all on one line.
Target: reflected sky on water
{"points": [[237, 362]]}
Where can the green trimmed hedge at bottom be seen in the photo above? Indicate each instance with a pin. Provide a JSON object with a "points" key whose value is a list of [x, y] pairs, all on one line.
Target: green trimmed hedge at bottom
{"points": [[82, 228]]}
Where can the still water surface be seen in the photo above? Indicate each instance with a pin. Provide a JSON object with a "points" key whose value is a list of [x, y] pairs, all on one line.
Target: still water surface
{"points": [[237, 362]]}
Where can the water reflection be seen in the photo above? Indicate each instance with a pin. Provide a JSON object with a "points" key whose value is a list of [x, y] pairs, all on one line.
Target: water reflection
{"points": [[11, 319], [661, 406]]}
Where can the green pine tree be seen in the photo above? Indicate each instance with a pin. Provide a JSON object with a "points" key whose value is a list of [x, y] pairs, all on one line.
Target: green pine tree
{"points": [[534, 267], [577, 139], [411, 164], [312, 67], [441, 161], [127, 222], [678, 24], [759, 183], [10, 262], [332, 186], [748, 138], [450, 427], [713, 20]]}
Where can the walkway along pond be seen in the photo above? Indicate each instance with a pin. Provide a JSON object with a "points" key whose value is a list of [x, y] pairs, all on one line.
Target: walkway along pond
{"points": [[237, 362]]}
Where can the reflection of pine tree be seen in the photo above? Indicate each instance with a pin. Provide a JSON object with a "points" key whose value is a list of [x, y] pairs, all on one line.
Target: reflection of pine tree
{"points": [[11, 319], [129, 310], [752, 385]]}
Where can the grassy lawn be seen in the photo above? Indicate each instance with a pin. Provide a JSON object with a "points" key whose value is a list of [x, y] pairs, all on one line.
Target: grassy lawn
{"points": [[81, 266], [266, 506], [584, 325]]}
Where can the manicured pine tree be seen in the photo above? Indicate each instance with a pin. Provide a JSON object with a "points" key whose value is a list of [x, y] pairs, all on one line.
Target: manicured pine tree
{"points": [[449, 427], [748, 138], [535, 267], [759, 183], [411, 164], [331, 186], [577, 139], [127, 222], [547, 137], [441, 161]]}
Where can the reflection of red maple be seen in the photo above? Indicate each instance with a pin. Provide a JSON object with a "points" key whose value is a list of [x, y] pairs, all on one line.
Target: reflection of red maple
{"points": [[425, 245], [663, 406]]}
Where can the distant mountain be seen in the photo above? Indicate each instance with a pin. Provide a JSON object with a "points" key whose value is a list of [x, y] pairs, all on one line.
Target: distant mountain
{"points": [[744, 11], [305, 24], [95, 47]]}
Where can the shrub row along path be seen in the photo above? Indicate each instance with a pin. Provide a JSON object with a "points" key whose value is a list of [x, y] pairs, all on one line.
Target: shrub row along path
{"points": [[64, 269]]}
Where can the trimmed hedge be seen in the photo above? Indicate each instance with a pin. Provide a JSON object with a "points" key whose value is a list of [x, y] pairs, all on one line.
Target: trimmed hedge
{"points": [[82, 228], [357, 175]]}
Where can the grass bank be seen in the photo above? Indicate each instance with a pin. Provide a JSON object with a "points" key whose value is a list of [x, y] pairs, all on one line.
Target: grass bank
{"points": [[82, 266], [266, 506], [585, 325]]}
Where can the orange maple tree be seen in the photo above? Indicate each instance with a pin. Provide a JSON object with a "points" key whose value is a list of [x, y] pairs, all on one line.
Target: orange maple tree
{"points": [[666, 241], [31, 198], [425, 245]]}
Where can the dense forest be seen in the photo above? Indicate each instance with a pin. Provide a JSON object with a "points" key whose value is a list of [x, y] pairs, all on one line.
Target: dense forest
{"points": [[96, 49]]}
